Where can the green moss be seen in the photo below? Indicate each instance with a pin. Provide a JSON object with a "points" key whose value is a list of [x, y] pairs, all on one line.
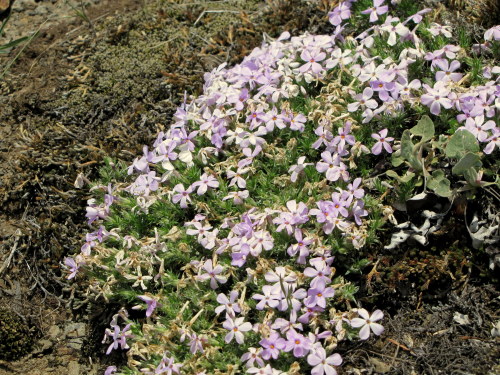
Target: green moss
{"points": [[16, 338]]}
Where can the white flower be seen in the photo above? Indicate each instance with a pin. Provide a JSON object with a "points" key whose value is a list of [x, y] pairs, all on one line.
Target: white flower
{"points": [[366, 322]]}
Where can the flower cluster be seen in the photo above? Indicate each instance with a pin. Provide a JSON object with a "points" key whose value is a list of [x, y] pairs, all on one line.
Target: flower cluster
{"points": [[235, 214]]}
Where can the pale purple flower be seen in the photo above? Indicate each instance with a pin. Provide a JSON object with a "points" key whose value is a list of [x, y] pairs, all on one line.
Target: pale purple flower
{"points": [[261, 239], [367, 323], [377, 10], [447, 71], [253, 355], [317, 295], [237, 177], [271, 297], [325, 136], [323, 364], [436, 97], [339, 13], [321, 271], [182, 195], [204, 183], [479, 128], [493, 142], [492, 34], [237, 196], [344, 136], [358, 211], [119, 337], [196, 343], [297, 122], [199, 229], [151, 303], [382, 141], [268, 370], [272, 345], [364, 100], [299, 344], [236, 327], [74, 265], [300, 247], [229, 305], [110, 370], [272, 119], [285, 221], [296, 169], [383, 88], [312, 58], [213, 274]]}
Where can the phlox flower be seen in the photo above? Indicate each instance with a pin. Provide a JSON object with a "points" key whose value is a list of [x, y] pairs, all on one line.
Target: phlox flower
{"points": [[364, 100], [340, 12], [344, 136], [196, 343], [394, 30], [229, 305], [323, 364], [325, 136], [253, 355], [139, 279], [268, 370], [437, 29], [367, 322], [317, 295], [479, 128], [493, 142], [296, 169], [236, 328], [213, 274], [199, 229], [151, 304], [492, 34], [74, 265], [261, 239], [272, 345], [447, 69], [272, 119], [271, 297], [382, 141], [297, 122], [299, 344], [204, 183], [110, 370], [353, 191], [300, 247], [284, 221], [339, 57], [119, 337], [358, 211], [321, 271], [182, 195], [312, 58], [281, 275], [377, 10], [299, 211], [237, 196]]}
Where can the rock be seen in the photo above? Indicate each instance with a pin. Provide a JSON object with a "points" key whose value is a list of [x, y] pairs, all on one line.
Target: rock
{"points": [[54, 332], [73, 368], [75, 330], [4, 5]]}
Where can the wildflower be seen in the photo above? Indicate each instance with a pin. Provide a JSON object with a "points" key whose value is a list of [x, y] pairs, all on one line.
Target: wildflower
{"points": [[199, 230], [196, 343], [253, 355], [272, 345], [118, 336], [237, 178], [297, 122], [74, 265], [228, 304], [321, 271], [182, 195], [213, 273], [366, 322], [447, 69], [479, 128], [298, 343], [394, 30], [237, 196], [436, 97], [296, 169], [312, 58], [493, 141], [382, 141], [364, 100], [437, 29], [317, 295], [269, 298], [377, 10], [139, 279], [301, 247], [236, 328], [340, 12], [204, 183], [323, 364], [110, 370], [268, 370]]}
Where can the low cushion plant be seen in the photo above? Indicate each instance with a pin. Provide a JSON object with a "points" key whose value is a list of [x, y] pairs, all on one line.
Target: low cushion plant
{"points": [[223, 238]]}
